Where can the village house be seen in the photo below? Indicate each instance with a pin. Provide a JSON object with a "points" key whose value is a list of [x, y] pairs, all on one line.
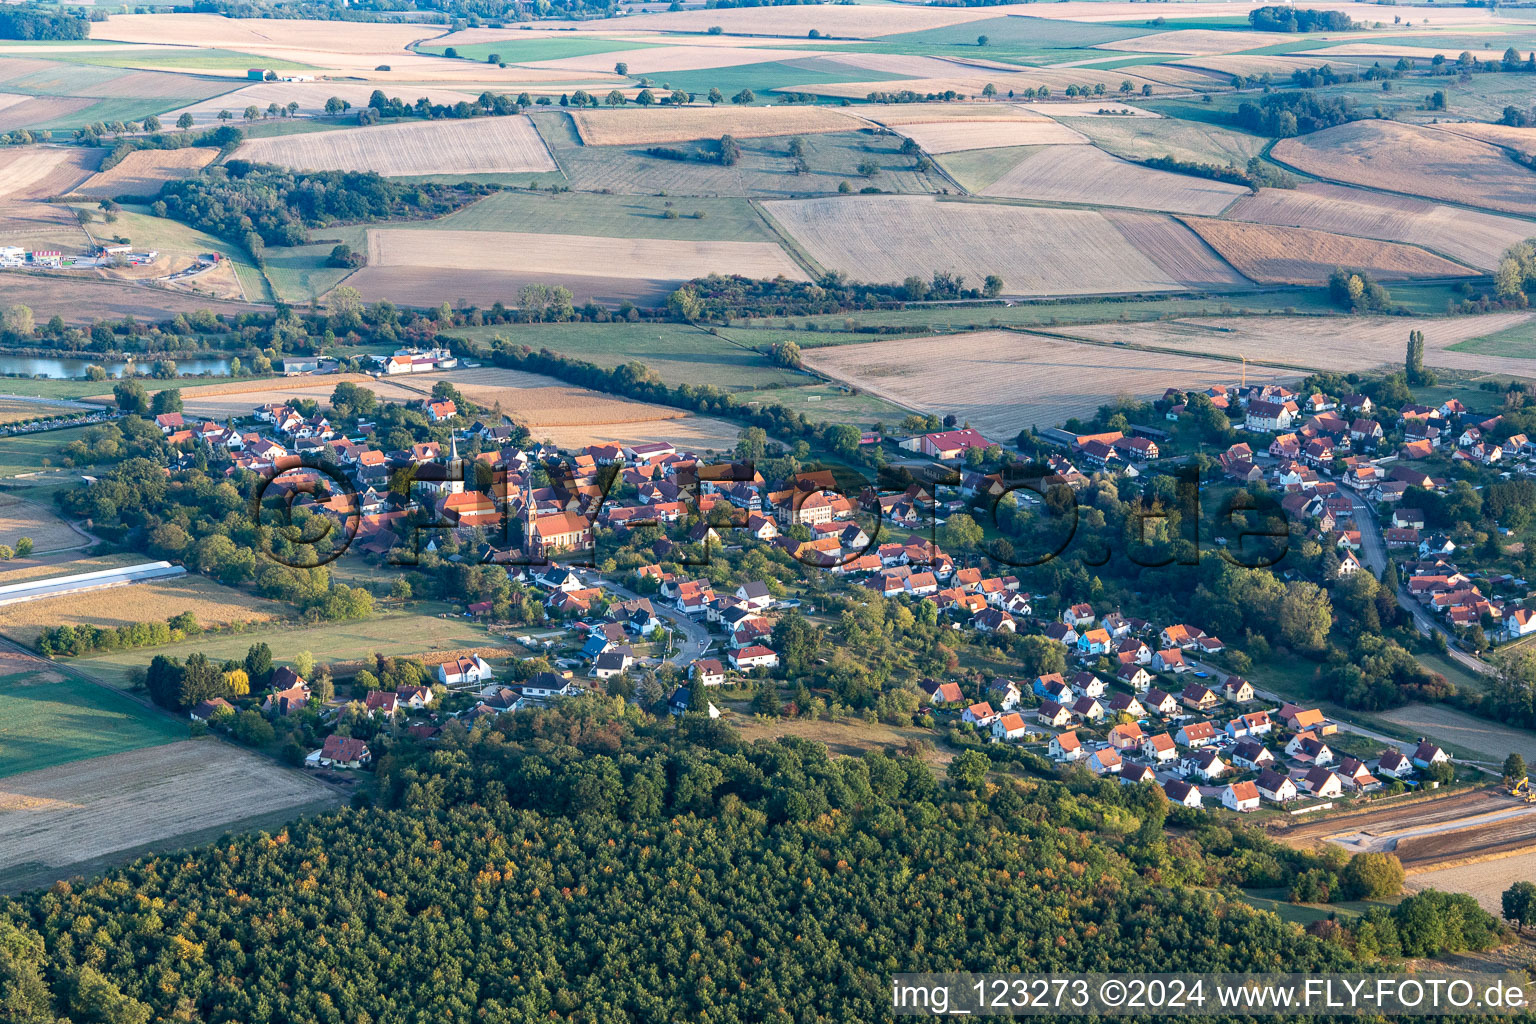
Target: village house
{"points": [[1308, 749], [465, 672], [1240, 796], [1275, 787], [1066, 747], [1394, 765], [980, 715], [1105, 762], [1126, 737], [1426, 754], [1159, 702], [1322, 783], [1171, 660], [340, 752], [1049, 713], [942, 693], [1251, 754], [707, 672], [1134, 676], [1160, 748], [1182, 793], [1199, 698], [1196, 734], [1207, 764], [1009, 727], [756, 656]]}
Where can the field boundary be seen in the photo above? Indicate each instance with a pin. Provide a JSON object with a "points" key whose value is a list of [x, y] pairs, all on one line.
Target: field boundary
{"points": [[787, 241]]}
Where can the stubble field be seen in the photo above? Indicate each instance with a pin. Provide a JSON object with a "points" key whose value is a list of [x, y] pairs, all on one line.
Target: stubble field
{"points": [[1416, 160], [1003, 381], [211, 604], [1036, 251], [1322, 343], [951, 136], [141, 173], [680, 124], [1283, 255], [21, 518], [483, 145], [1477, 239], [38, 172], [90, 809], [1087, 175]]}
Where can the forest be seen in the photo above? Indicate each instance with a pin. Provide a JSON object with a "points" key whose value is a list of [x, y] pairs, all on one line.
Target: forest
{"points": [[260, 205], [23, 23], [590, 864]]}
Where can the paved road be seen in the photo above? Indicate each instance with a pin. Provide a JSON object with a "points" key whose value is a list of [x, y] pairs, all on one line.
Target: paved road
{"points": [[1375, 552], [692, 638]]}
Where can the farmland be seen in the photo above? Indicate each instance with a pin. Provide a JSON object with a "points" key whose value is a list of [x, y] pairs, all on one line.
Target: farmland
{"points": [[1035, 251], [43, 171], [81, 299], [610, 216], [1086, 175], [211, 604], [1318, 342], [481, 146], [21, 518], [12, 411], [1484, 881], [1414, 160], [50, 717], [1280, 255], [1140, 138], [142, 172], [676, 353], [645, 128], [1477, 239], [393, 634], [951, 135], [1492, 741], [1001, 382], [410, 266], [91, 810]]}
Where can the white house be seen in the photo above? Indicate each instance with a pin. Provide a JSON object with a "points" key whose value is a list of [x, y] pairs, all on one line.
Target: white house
{"points": [[1276, 788], [1395, 765], [979, 715], [756, 656], [1009, 727], [1240, 796], [1182, 793], [1105, 762], [340, 752], [1066, 747], [464, 671], [1427, 754]]}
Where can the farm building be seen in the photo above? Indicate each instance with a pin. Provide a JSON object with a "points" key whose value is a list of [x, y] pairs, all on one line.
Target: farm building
{"points": [[32, 590]]}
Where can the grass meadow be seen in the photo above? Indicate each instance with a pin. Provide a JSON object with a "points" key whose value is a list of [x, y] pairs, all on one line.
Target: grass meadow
{"points": [[49, 717]]}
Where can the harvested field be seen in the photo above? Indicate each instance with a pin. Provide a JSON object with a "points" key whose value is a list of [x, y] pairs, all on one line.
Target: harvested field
{"points": [[951, 136], [928, 113], [680, 124], [1035, 251], [1083, 174], [1001, 381], [310, 96], [696, 433], [35, 111], [1279, 255], [970, 80], [210, 603], [1259, 63], [1197, 40], [257, 35], [1484, 882], [1492, 740], [142, 172], [80, 299], [1414, 160], [444, 255], [34, 225], [38, 172], [14, 412], [1138, 138], [1477, 239], [219, 281], [1344, 344], [656, 60], [425, 288], [1168, 243], [1521, 140], [20, 518], [90, 809], [852, 22], [485, 145]]}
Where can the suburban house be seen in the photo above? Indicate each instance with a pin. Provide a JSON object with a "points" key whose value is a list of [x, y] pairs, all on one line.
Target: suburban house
{"points": [[1196, 734], [1162, 703], [1427, 754], [1240, 796], [1254, 724], [1308, 749], [1276, 788], [1105, 762], [381, 702], [707, 672], [1395, 765], [942, 693], [1066, 747], [756, 656], [1322, 783], [1159, 748], [979, 714], [208, 708], [1009, 727], [1126, 737], [1182, 793], [465, 672], [340, 752], [1251, 754]]}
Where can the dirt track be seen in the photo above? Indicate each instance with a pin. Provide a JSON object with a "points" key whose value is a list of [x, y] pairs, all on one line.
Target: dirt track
{"points": [[1425, 833]]}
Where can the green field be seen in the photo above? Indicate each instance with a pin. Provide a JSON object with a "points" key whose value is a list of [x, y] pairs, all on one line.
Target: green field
{"points": [[1012, 39], [49, 718], [1137, 138], [180, 59], [393, 634], [611, 217], [765, 169], [24, 453], [679, 354], [299, 273], [832, 403], [1514, 342], [976, 169], [522, 51]]}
